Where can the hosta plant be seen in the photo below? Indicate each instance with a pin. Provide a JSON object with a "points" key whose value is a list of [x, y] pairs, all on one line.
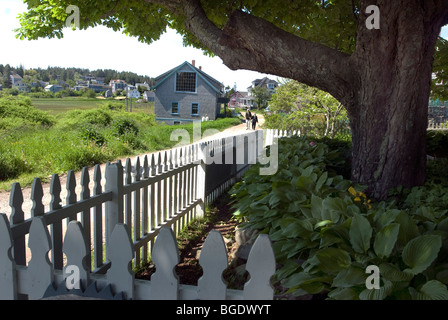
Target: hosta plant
{"points": [[326, 232]]}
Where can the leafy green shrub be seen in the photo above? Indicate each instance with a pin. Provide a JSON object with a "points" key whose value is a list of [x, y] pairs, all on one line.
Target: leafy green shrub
{"points": [[326, 232], [123, 126], [19, 107], [89, 134], [11, 165]]}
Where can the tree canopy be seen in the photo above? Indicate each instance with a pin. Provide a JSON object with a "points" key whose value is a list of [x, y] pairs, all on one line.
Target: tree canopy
{"points": [[382, 75]]}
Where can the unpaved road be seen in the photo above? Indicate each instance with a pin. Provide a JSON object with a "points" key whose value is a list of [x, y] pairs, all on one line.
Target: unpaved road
{"points": [[27, 204]]}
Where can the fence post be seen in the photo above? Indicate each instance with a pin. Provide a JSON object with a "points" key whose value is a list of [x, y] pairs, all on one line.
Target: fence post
{"points": [[8, 278], [114, 208], [200, 182]]}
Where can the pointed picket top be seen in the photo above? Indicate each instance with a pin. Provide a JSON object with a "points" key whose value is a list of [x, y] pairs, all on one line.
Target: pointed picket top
{"points": [[175, 159], [165, 255], [55, 191], [76, 251], [261, 267], [97, 188], [40, 269], [120, 274], [171, 160], [85, 180], [213, 261], [180, 160], [71, 185], [16, 202], [152, 165], [137, 170], [145, 167], [159, 166], [8, 280], [37, 193], [128, 170], [165, 161]]}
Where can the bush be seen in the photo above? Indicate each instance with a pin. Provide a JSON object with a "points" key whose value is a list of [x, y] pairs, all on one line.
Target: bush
{"points": [[121, 127], [19, 107], [326, 232], [90, 135]]}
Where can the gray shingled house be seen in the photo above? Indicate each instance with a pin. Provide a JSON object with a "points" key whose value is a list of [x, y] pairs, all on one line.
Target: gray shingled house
{"points": [[185, 94]]}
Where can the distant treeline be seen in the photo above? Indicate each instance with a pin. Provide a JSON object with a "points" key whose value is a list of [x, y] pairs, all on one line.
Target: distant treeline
{"points": [[69, 75]]}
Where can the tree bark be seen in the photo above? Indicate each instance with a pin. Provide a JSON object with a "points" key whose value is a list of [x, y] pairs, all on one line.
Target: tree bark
{"points": [[389, 117]]}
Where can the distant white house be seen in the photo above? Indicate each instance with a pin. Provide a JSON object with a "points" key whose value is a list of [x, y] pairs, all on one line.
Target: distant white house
{"points": [[53, 88], [134, 94], [144, 85]]}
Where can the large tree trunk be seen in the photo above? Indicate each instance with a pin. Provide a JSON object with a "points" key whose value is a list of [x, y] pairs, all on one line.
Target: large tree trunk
{"points": [[389, 120]]}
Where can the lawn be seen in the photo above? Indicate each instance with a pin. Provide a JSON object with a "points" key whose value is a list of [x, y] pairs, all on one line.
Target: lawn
{"points": [[57, 106]]}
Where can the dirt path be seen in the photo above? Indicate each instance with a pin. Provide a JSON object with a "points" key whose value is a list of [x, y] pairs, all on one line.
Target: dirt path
{"points": [[27, 204]]}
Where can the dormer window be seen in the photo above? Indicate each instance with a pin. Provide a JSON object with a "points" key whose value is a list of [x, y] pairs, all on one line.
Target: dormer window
{"points": [[186, 82]]}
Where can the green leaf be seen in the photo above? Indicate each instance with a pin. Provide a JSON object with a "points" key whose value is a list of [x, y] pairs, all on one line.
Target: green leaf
{"points": [[377, 294], [431, 290], [333, 260], [350, 277], [420, 252], [393, 273], [385, 240], [321, 181], [360, 233], [316, 207], [343, 294], [408, 228], [333, 208]]}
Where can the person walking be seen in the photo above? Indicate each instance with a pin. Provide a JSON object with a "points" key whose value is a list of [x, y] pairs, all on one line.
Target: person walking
{"points": [[248, 118], [254, 121]]}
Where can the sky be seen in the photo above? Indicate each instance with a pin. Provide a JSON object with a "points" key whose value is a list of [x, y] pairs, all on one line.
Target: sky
{"points": [[102, 48]]}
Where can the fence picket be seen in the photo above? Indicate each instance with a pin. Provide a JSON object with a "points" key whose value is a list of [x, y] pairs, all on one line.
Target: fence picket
{"points": [[8, 278], [164, 282], [145, 212], [120, 274], [37, 193], [40, 269], [56, 228], [98, 220], [71, 193], [214, 261], [137, 216], [77, 252], [261, 267], [17, 216], [85, 216]]}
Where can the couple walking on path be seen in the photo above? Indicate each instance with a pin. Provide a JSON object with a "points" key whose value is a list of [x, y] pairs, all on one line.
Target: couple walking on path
{"points": [[251, 120]]}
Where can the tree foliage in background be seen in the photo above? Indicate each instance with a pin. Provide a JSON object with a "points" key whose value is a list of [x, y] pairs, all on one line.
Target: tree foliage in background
{"points": [[440, 69], [296, 106]]}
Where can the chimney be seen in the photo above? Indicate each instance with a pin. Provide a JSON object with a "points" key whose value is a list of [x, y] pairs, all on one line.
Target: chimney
{"points": [[193, 63]]}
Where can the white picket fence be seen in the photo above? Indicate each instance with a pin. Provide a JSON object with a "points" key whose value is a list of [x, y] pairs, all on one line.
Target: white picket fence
{"points": [[437, 126], [169, 190], [40, 280]]}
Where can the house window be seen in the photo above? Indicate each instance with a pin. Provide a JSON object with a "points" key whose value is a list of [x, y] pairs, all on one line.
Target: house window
{"points": [[271, 86], [175, 108], [195, 109], [186, 82]]}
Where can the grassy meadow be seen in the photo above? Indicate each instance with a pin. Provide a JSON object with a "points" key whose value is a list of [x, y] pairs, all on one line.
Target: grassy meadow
{"points": [[40, 138]]}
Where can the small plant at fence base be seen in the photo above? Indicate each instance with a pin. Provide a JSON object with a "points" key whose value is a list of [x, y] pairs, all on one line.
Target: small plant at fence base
{"points": [[326, 232]]}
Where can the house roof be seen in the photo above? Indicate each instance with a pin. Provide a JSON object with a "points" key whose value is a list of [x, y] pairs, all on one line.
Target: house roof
{"points": [[213, 83], [263, 82]]}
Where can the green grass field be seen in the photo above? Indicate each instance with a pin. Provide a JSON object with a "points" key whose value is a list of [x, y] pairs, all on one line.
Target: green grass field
{"points": [[58, 106]]}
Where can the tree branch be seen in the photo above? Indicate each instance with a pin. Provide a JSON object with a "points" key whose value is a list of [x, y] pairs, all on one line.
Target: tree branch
{"points": [[253, 43]]}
